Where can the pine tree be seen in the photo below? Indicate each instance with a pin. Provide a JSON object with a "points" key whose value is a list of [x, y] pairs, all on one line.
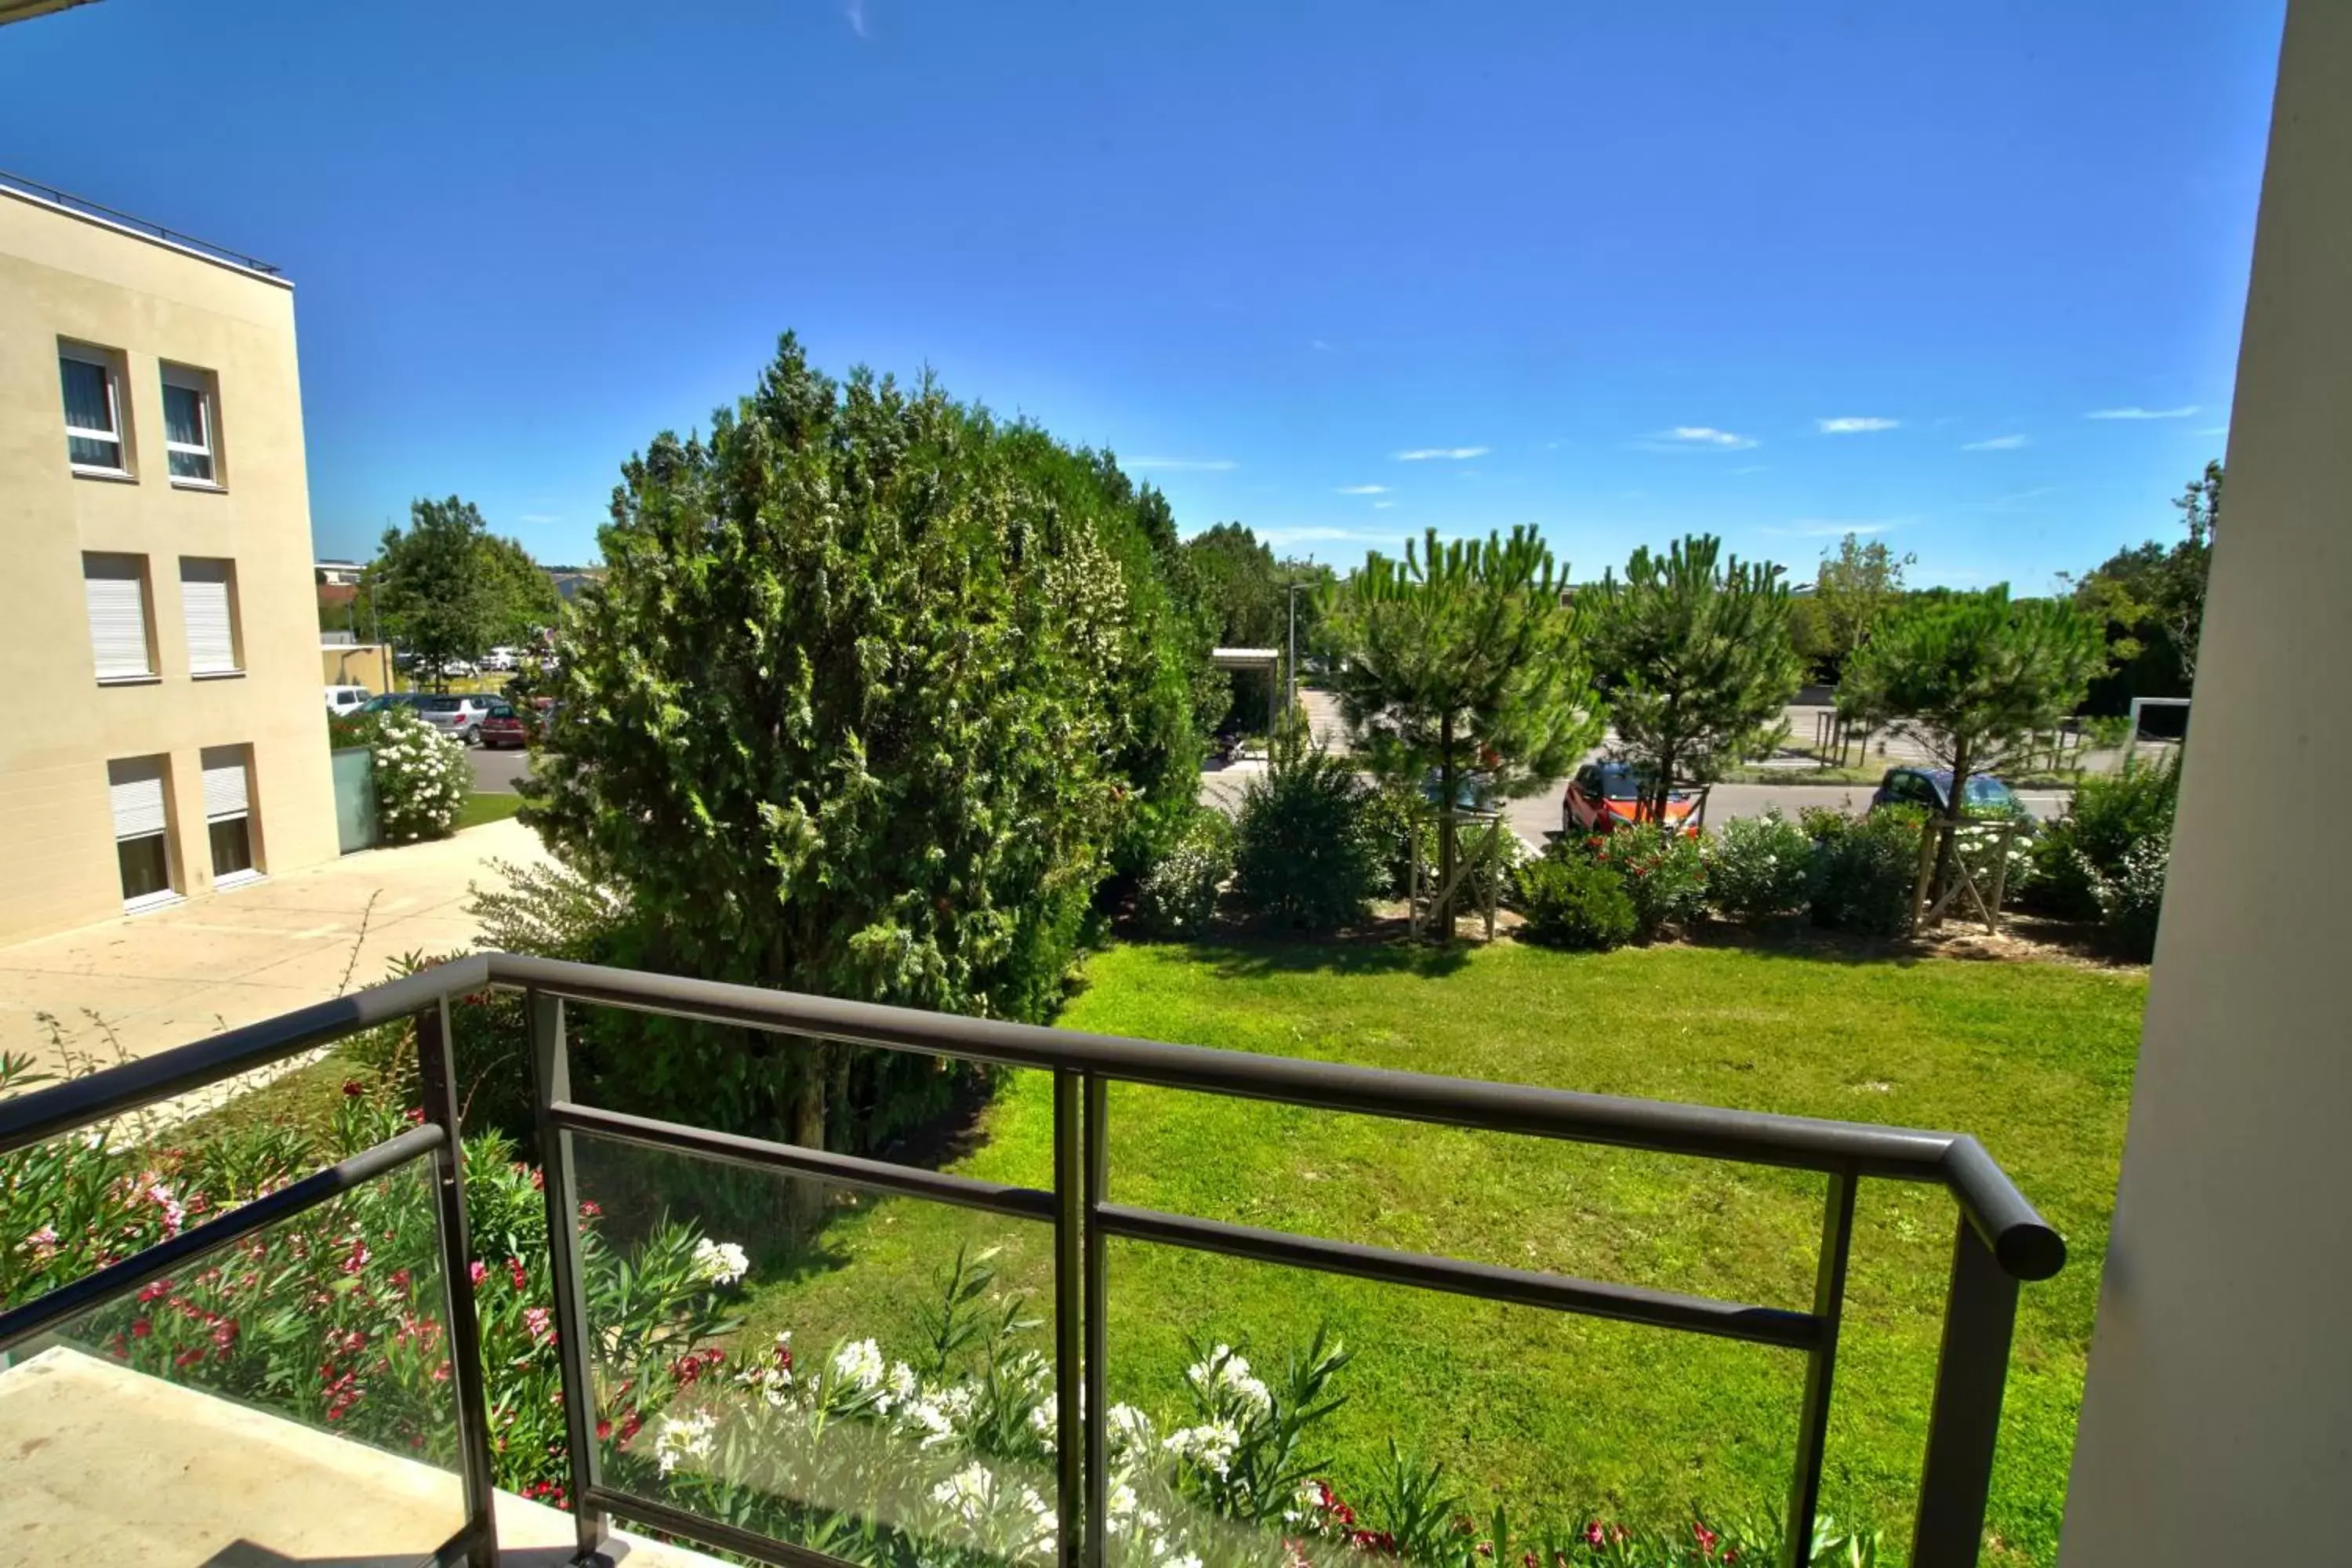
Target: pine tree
{"points": [[1460, 659], [1697, 654]]}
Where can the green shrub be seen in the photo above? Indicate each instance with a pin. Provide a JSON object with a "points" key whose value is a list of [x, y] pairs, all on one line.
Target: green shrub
{"points": [[1661, 872], [1572, 900], [1757, 866], [1392, 821], [2131, 901], [1178, 895], [2087, 847], [1864, 870], [1302, 859]]}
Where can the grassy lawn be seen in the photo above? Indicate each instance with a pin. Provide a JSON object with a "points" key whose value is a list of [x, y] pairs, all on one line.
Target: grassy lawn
{"points": [[481, 807], [1556, 1414]]}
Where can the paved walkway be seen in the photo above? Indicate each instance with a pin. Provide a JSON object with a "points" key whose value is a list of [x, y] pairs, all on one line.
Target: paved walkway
{"points": [[147, 982]]}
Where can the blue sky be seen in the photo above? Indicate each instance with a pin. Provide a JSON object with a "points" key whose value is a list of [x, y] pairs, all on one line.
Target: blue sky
{"points": [[1339, 270]]}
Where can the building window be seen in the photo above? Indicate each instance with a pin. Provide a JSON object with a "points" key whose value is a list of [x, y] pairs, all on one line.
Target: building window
{"points": [[229, 814], [94, 425], [191, 427], [143, 839], [121, 640], [209, 605]]}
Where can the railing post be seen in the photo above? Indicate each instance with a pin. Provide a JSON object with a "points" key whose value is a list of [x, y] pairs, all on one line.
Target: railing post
{"points": [[437, 1077], [1971, 1376], [1820, 1368], [1096, 1148], [1069, 1288], [551, 1080]]}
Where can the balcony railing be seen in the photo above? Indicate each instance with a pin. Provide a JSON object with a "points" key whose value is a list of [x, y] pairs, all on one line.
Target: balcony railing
{"points": [[1999, 1240]]}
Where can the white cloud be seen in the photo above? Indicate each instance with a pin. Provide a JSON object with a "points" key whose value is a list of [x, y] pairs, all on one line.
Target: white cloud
{"points": [[1424, 454], [1696, 438], [1363, 489], [1996, 443], [1852, 425], [2212, 430], [853, 13], [1748, 469], [1190, 464], [2135, 412], [1382, 505], [1836, 528], [1318, 345]]}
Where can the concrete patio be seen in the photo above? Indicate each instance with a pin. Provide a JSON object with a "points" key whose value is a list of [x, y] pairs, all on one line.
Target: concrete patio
{"points": [[105, 1465], [146, 983]]}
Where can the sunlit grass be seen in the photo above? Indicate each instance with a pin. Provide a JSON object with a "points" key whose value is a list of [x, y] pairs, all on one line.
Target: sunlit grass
{"points": [[1546, 1413]]}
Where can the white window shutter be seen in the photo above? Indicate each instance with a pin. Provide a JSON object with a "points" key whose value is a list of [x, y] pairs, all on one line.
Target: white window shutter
{"points": [[204, 604], [118, 616], [226, 794], [135, 789]]}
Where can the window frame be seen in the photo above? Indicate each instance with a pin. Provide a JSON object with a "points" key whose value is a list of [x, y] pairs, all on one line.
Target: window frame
{"points": [[213, 759], [109, 365], [205, 387], [169, 893], [144, 576], [234, 668]]}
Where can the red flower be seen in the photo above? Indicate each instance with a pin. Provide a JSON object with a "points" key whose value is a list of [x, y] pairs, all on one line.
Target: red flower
{"points": [[353, 1089], [150, 1292], [1706, 1538], [142, 1329], [477, 1271], [589, 1209], [515, 1273]]}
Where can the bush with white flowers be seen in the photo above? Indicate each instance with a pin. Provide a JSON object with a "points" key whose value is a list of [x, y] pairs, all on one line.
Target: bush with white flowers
{"points": [[1757, 865], [422, 778]]}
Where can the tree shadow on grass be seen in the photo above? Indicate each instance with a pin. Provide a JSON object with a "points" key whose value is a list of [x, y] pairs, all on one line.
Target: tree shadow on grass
{"points": [[1383, 948], [2022, 939]]}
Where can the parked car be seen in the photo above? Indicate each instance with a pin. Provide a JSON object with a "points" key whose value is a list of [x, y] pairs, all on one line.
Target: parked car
{"points": [[344, 700], [459, 667], [504, 725], [459, 712], [1602, 797], [501, 661], [1932, 788], [391, 700]]}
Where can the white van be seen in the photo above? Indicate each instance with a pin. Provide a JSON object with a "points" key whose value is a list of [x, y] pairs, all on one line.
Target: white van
{"points": [[347, 699]]}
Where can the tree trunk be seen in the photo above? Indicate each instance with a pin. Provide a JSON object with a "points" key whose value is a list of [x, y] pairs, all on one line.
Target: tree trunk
{"points": [[805, 1199], [1448, 853], [1947, 846]]}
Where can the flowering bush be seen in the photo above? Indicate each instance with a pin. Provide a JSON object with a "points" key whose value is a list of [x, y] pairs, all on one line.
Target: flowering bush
{"points": [[1757, 865], [1572, 900], [1178, 895], [2129, 904], [422, 778], [1663, 874], [336, 1317]]}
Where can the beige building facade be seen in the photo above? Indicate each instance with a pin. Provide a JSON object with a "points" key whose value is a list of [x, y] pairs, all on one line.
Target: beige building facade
{"points": [[166, 732]]}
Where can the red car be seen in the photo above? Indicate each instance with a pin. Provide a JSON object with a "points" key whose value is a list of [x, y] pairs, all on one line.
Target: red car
{"points": [[1605, 796], [502, 726]]}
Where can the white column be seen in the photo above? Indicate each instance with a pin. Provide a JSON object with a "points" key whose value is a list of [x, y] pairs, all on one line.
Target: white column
{"points": [[2217, 1423]]}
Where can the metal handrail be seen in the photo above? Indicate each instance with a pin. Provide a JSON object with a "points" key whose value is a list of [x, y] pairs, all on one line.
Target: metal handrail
{"points": [[1999, 1241]]}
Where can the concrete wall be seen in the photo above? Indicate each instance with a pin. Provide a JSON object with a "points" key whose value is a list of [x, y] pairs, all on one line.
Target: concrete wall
{"points": [[62, 275], [2217, 1423]]}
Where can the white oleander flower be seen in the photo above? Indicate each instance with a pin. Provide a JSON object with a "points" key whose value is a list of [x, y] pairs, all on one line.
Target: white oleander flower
{"points": [[860, 1364], [719, 1262], [684, 1438]]}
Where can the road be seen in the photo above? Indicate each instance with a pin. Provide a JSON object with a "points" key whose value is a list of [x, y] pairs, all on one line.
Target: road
{"points": [[495, 774]]}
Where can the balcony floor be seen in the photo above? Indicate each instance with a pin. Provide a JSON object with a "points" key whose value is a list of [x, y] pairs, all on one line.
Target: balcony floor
{"points": [[99, 1463]]}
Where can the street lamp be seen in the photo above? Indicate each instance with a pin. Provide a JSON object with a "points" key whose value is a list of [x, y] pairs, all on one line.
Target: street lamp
{"points": [[1292, 592]]}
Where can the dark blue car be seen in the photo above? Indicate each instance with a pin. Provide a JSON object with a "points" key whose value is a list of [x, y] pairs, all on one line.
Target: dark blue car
{"points": [[1932, 787]]}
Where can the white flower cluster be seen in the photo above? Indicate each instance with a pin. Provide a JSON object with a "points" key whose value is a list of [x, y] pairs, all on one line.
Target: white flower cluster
{"points": [[421, 778], [684, 1438], [719, 1262], [1210, 1445], [1225, 1372]]}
